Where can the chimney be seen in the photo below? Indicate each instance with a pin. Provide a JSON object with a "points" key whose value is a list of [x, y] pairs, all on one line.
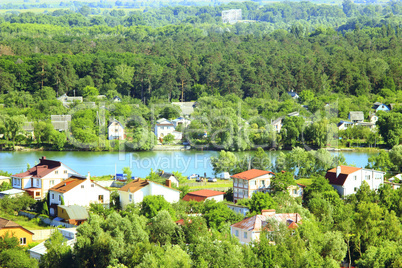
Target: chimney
{"points": [[268, 212], [88, 176], [169, 183], [338, 171]]}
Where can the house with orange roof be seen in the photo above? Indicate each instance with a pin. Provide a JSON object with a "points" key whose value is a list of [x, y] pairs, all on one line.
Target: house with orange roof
{"points": [[249, 229], [203, 195], [23, 235], [347, 180], [135, 191], [37, 180], [78, 190], [246, 183]]}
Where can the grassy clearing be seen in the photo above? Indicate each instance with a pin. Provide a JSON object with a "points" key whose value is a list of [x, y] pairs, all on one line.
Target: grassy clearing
{"points": [[305, 182], [24, 222]]}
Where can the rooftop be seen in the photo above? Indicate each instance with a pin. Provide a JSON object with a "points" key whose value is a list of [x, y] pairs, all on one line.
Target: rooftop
{"points": [[44, 167], [259, 222], [68, 184], [251, 174], [201, 195], [4, 223], [345, 172], [75, 212]]}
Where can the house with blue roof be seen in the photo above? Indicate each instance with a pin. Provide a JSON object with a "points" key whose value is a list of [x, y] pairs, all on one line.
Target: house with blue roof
{"points": [[378, 106]]}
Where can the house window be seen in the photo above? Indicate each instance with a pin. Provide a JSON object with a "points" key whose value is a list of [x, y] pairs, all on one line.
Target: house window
{"points": [[23, 241], [130, 197], [355, 178], [37, 194], [56, 172], [52, 196], [82, 186], [368, 177], [100, 198], [355, 189], [245, 235], [52, 182], [237, 233], [294, 191], [92, 185], [65, 171], [262, 183], [60, 198]]}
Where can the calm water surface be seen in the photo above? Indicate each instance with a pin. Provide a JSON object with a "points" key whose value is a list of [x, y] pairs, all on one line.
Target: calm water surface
{"points": [[141, 163]]}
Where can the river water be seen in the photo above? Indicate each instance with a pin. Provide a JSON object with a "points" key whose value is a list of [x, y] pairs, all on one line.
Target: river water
{"points": [[141, 163]]}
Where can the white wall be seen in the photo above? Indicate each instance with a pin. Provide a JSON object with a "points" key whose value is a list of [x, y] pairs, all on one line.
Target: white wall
{"points": [[355, 180], [162, 131], [217, 198]]}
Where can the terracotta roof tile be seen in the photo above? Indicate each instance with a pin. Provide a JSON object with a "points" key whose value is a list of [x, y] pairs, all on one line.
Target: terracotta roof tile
{"points": [[67, 184], [201, 195], [251, 174], [258, 222], [134, 186], [340, 180], [4, 223], [44, 167]]}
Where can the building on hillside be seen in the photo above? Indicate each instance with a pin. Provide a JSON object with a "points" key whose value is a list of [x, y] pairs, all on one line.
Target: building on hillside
{"points": [[116, 99], [277, 124], [39, 179], [78, 190], [135, 191], [356, 117], [378, 106], [343, 125], [293, 94], [231, 16], [203, 195], [296, 190], [12, 193], [239, 209], [164, 127], [69, 234], [115, 130], [249, 229], [373, 118], [23, 235], [29, 129], [347, 180], [60, 122], [73, 214], [66, 100], [246, 183], [181, 121], [169, 176]]}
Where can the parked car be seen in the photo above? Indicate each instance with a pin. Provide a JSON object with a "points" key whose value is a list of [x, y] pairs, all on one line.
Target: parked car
{"points": [[210, 179]]}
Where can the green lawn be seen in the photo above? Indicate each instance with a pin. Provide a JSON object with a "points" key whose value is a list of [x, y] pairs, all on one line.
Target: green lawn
{"points": [[24, 221], [305, 182]]}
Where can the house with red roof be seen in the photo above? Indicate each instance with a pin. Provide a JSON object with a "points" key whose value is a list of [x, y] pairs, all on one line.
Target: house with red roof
{"points": [[246, 183], [347, 180], [203, 195], [78, 190], [37, 180], [249, 229]]}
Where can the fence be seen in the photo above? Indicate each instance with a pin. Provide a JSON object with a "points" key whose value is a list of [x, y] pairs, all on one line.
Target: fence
{"points": [[46, 220], [41, 234]]}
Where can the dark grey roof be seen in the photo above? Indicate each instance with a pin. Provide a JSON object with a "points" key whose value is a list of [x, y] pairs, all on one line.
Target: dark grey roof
{"points": [[357, 115], [60, 125], [165, 175], [62, 117]]}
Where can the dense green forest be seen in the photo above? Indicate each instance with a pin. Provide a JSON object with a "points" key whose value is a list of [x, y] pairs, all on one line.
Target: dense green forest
{"points": [[345, 56]]}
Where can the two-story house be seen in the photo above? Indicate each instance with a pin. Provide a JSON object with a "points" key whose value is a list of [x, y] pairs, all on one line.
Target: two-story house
{"points": [[37, 180], [248, 182], [136, 190], [164, 127], [347, 180], [249, 229], [356, 117], [115, 130], [78, 190]]}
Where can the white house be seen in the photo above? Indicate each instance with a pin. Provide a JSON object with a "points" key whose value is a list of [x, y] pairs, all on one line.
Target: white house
{"points": [[40, 178], [296, 190], [249, 229], [115, 130], [277, 124], [239, 209], [223, 176], [169, 176], [246, 183], [136, 190], [203, 195], [164, 127], [181, 121], [79, 191], [347, 180]]}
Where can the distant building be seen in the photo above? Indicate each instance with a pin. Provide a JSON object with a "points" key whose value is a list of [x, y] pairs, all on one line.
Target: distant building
{"points": [[239, 209], [60, 122], [164, 127], [378, 106], [66, 100], [347, 180], [186, 107], [181, 121], [356, 117], [203, 195], [116, 99], [277, 124], [23, 235], [28, 127], [293, 94], [169, 176], [249, 229], [115, 130], [40, 178], [343, 125], [246, 183], [231, 16]]}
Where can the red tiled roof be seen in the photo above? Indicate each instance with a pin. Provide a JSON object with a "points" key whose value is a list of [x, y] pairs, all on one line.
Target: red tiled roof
{"points": [[251, 174], [201, 195], [340, 180], [258, 222], [67, 184], [44, 167]]}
